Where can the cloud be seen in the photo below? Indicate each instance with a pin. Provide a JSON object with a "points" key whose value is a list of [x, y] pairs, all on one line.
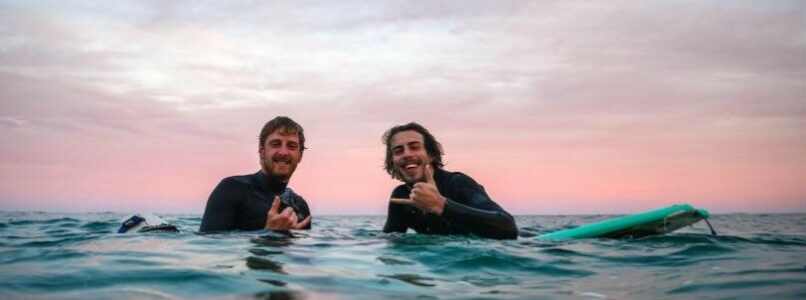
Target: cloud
{"points": [[582, 85]]}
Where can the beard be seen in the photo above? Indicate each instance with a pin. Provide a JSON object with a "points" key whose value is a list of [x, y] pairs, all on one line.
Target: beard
{"points": [[419, 176], [279, 167]]}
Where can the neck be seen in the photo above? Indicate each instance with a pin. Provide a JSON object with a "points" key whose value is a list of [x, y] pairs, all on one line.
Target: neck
{"points": [[274, 183]]}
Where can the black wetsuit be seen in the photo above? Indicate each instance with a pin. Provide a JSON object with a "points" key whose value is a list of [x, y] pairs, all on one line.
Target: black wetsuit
{"points": [[468, 210], [243, 202]]}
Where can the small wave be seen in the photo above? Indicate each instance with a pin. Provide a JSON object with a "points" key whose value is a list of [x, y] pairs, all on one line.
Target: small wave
{"points": [[782, 286], [100, 226], [365, 233], [765, 272], [780, 240], [59, 241], [98, 278], [769, 239], [42, 256], [489, 281], [51, 221], [679, 239], [699, 250], [554, 270], [492, 259], [560, 252]]}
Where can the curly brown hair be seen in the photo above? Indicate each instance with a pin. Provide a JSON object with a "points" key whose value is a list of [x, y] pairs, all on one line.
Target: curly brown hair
{"points": [[432, 147]]}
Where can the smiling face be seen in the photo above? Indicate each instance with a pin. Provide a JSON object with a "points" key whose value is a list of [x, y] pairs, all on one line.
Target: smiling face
{"points": [[280, 154], [409, 156]]}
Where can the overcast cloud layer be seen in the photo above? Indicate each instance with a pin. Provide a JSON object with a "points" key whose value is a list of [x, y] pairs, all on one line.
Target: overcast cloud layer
{"points": [[569, 107]]}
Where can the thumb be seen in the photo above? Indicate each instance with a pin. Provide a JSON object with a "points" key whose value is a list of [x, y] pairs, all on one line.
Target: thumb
{"points": [[429, 174], [274, 206]]}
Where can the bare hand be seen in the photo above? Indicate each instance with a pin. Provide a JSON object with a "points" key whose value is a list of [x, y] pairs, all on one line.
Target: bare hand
{"points": [[285, 220], [424, 195]]}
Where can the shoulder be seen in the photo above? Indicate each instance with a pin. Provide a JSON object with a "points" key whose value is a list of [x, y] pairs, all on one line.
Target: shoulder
{"points": [[233, 185], [459, 179], [238, 180]]}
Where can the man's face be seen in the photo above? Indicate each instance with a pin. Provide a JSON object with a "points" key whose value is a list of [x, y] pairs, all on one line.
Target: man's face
{"points": [[409, 156], [280, 154]]}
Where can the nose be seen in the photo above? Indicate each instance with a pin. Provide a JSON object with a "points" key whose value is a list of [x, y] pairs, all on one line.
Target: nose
{"points": [[407, 153], [284, 150]]}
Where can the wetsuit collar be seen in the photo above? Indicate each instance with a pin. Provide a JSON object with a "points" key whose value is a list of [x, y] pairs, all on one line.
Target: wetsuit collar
{"points": [[272, 184]]}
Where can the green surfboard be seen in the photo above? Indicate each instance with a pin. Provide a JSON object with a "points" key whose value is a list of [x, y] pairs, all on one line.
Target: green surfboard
{"points": [[656, 222]]}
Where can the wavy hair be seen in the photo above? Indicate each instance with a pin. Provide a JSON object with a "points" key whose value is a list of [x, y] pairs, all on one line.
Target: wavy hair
{"points": [[432, 147]]}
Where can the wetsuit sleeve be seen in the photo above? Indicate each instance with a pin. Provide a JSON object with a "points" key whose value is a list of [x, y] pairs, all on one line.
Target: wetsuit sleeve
{"points": [[473, 210], [222, 207], [396, 218]]}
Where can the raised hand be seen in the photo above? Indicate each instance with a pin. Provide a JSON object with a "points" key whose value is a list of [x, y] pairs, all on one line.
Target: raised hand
{"points": [[285, 220], [424, 195]]}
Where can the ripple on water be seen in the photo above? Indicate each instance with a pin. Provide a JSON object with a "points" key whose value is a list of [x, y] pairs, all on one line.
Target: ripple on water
{"points": [[413, 279], [70, 239], [394, 261], [489, 281], [779, 286]]}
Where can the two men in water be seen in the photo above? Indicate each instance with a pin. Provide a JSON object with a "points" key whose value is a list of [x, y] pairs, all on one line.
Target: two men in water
{"points": [[431, 200]]}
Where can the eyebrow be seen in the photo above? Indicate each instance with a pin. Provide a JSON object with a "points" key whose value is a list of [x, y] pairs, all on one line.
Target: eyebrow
{"points": [[406, 144]]}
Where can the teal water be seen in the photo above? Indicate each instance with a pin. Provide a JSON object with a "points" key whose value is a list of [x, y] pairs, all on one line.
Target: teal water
{"points": [[79, 256]]}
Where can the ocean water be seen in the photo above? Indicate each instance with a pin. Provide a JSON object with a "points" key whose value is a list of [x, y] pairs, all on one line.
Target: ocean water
{"points": [[79, 256]]}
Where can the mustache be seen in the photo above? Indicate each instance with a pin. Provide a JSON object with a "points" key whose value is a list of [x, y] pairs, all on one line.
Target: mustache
{"points": [[410, 160], [282, 158]]}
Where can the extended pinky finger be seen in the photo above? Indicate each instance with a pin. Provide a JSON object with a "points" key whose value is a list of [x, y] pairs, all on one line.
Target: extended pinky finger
{"points": [[401, 201]]}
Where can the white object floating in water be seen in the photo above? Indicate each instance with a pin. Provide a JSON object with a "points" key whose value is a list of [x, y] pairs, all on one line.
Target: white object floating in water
{"points": [[144, 223], [593, 295]]}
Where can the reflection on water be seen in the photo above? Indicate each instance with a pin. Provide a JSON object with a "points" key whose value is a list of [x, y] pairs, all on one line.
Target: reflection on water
{"points": [[263, 263], [79, 256]]}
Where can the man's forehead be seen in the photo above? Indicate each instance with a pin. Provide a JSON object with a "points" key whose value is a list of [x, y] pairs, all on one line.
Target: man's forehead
{"points": [[284, 132], [405, 137]]}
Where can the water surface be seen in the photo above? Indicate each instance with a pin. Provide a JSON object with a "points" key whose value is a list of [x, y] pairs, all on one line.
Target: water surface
{"points": [[52, 255]]}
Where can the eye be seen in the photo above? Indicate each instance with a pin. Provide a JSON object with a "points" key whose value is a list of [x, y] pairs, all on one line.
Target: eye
{"points": [[293, 146], [397, 150], [275, 144], [414, 147]]}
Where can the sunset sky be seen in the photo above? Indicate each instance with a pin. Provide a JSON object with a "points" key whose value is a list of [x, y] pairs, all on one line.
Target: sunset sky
{"points": [[568, 107]]}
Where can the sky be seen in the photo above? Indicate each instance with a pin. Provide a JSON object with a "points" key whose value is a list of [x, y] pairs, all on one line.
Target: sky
{"points": [[555, 107]]}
